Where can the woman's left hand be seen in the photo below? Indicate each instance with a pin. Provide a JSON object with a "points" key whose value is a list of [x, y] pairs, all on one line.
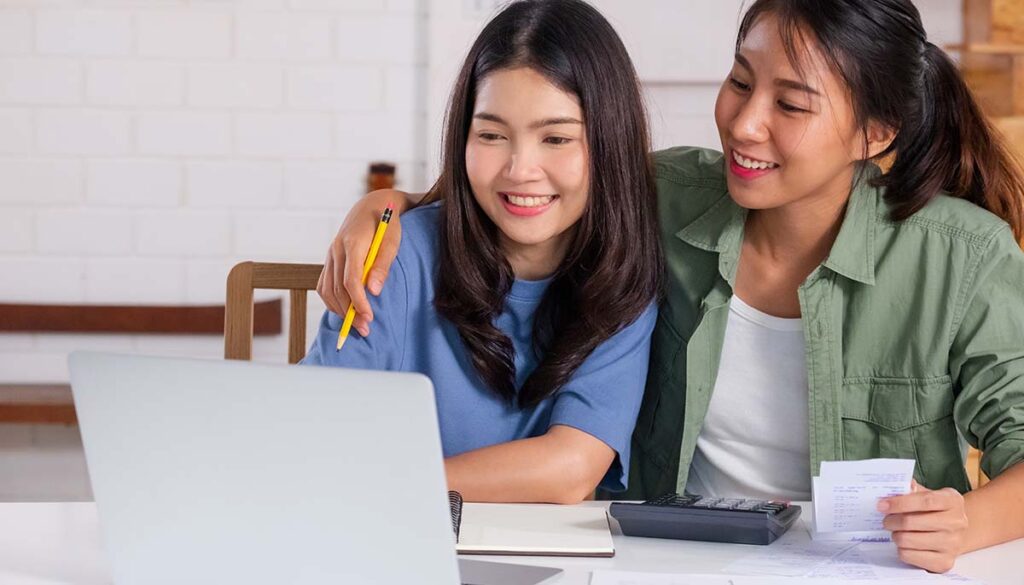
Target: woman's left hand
{"points": [[929, 527]]}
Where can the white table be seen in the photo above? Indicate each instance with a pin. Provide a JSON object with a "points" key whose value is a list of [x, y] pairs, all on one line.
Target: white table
{"points": [[59, 544]]}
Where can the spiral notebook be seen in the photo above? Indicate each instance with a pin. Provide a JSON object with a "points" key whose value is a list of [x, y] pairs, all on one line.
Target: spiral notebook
{"points": [[530, 529]]}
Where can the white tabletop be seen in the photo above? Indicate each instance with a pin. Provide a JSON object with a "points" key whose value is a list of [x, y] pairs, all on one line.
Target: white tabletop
{"points": [[59, 544]]}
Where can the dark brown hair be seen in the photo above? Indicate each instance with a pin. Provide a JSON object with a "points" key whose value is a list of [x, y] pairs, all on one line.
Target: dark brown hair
{"points": [[944, 143], [613, 268]]}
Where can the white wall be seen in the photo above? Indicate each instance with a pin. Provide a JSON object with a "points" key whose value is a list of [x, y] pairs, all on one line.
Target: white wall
{"points": [[146, 146]]}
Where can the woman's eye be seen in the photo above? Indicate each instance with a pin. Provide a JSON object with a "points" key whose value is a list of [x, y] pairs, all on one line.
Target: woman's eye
{"points": [[739, 85], [490, 136], [790, 107], [557, 140]]}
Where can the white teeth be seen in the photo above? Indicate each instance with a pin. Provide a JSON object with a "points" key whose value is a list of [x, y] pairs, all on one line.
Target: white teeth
{"points": [[752, 164], [529, 201]]}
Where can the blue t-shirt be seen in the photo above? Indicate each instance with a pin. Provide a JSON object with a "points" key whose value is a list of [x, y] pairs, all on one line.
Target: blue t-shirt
{"points": [[601, 398]]}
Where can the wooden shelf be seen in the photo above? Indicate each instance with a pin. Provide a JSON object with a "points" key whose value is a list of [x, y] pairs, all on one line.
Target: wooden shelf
{"points": [[1012, 128], [37, 404], [988, 49], [19, 318], [992, 55], [52, 403]]}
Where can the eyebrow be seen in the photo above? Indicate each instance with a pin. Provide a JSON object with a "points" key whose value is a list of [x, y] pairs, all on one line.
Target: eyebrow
{"points": [[785, 83], [538, 124]]}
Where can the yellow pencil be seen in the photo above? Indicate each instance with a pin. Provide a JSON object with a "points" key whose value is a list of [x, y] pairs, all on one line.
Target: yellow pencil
{"points": [[378, 237]]}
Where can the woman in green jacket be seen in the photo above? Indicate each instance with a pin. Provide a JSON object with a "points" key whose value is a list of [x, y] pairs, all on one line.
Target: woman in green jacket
{"points": [[818, 308]]}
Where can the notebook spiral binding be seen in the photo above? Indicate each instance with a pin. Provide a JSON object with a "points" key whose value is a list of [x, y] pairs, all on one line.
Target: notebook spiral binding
{"points": [[455, 502]]}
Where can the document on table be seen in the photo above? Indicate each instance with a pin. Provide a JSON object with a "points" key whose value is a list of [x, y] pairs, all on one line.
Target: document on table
{"points": [[876, 562], [846, 493], [633, 578]]}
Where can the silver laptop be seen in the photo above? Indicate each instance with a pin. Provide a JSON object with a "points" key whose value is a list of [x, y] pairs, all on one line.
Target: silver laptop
{"points": [[224, 472]]}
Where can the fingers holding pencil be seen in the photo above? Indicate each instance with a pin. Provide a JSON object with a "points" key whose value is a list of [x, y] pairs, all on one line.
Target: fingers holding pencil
{"points": [[371, 257]]}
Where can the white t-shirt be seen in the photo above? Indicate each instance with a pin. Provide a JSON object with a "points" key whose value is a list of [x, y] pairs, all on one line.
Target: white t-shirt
{"points": [[755, 440]]}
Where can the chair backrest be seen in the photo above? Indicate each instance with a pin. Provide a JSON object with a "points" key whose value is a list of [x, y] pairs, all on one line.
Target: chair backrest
{"points": [[246, 277]]}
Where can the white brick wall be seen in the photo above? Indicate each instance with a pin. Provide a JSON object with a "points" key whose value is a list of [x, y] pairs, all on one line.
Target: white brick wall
{"points": [[235, 85], [131, 83], [15, 131], [284, 135], [15, 32], [185, 33], [234, 184], [40, 279], [135, 281], [89, 33], [16, 230], [184, 133], [40, 182], [134, 182], [292, 37], [183, 233], [83, 132], [146, 147], [325, 87], [91, 233], [282, 236], [40, 81]]}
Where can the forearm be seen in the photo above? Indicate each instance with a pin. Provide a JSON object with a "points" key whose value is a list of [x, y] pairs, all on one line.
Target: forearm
{"points": [[995, 511], [538, 469]]}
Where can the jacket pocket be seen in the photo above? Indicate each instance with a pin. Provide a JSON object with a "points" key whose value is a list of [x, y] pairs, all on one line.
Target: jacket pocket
{"points": [[906, 418]]}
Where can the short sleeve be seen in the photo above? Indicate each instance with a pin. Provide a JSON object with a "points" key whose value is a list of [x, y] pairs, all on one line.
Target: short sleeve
{"points": [[603, 396], [384, 348], [987, 357]]}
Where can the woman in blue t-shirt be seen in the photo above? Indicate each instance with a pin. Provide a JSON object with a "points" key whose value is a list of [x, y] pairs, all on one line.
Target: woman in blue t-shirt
{"points": [[527, 291]]}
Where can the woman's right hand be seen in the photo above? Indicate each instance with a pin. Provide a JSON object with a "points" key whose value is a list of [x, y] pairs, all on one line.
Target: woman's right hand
{"points": [[341, 280]]}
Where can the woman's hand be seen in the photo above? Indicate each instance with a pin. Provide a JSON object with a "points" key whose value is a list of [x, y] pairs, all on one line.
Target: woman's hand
{"points": [[341, 280], [929, 527]]}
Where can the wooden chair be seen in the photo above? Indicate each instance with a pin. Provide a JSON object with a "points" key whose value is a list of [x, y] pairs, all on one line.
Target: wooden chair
{"points": [[246, 277]]}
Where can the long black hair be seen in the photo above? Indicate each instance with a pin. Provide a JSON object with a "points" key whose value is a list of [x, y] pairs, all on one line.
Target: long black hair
{"points": [[895, 76], [613, 268]]}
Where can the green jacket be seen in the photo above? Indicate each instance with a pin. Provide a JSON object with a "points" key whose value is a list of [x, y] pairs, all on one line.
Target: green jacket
{"points": [[914, 331]]}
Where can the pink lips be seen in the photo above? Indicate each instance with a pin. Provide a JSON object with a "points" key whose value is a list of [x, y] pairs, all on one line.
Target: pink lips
{"points": [[745, 173], [525, 211]]}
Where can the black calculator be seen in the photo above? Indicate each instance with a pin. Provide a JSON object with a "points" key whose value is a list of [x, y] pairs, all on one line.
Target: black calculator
{"points": [[692, 517]]}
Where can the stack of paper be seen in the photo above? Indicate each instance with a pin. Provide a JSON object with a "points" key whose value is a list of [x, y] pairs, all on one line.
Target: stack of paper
{"points": [[535, 529], [845, 497]]}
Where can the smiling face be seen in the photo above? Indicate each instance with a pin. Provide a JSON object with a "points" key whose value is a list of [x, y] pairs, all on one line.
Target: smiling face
{"points": [[528, 166], [786, 137]]}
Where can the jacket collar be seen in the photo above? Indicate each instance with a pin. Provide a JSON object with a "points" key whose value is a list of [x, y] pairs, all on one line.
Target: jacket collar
{"points": [[720, 230]]}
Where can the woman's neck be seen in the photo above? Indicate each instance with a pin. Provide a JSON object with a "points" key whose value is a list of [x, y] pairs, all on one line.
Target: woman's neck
{"points": [[801, 232], [535, 261]]}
